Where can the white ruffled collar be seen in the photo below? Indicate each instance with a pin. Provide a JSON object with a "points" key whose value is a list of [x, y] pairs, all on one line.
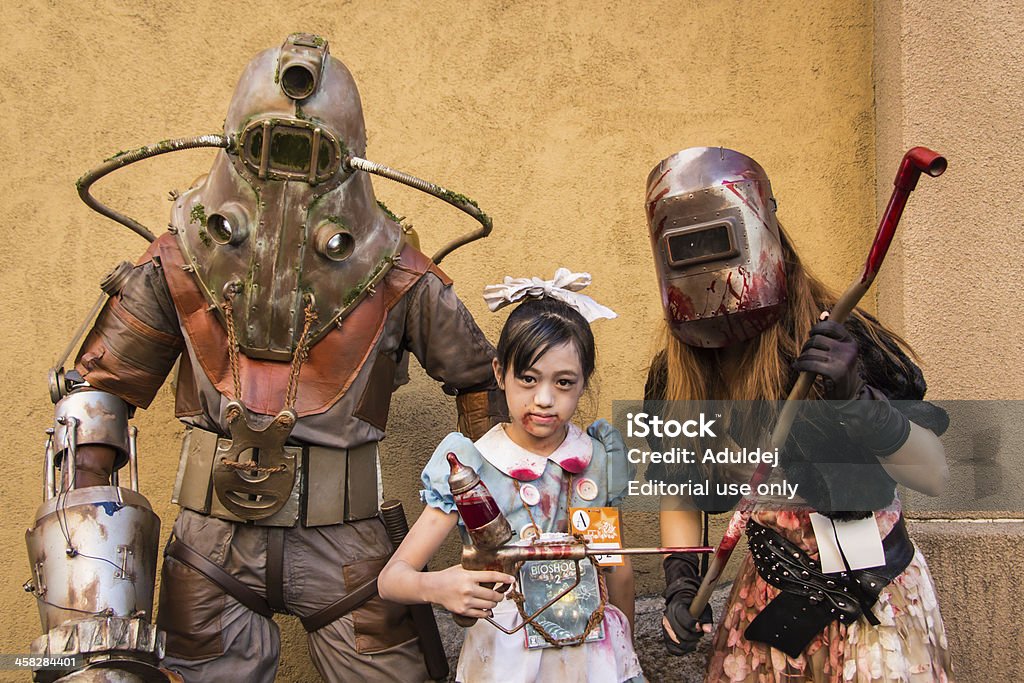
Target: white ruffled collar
{"points": [[573, 455]]}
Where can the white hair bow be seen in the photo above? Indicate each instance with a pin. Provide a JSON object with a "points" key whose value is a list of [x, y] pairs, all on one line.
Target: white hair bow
{"points": [[564, 287]]}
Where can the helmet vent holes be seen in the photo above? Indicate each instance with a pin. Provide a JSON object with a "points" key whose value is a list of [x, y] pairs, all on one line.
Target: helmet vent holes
{"points": [[298, 82], [334, 242], [219, 228], [226, 228]]}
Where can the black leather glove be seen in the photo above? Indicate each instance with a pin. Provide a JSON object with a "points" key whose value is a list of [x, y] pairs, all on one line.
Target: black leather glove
{"points": [[864, 412], [832, 353], [872, 421], [682, 580]]}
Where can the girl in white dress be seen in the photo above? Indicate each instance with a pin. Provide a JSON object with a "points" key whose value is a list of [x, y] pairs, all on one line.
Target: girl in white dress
{"points": [[536, 467]]}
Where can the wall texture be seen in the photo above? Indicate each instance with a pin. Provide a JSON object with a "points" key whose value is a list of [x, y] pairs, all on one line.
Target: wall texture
{"points": [[549, 114], [947, 76]]}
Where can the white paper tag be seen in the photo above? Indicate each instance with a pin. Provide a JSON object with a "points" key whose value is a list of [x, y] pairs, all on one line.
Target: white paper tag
{"points": [[861, 541]]}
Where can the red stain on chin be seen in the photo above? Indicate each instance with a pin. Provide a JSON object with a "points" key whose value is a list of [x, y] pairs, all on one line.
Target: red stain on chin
{"points": [[531, 419]]}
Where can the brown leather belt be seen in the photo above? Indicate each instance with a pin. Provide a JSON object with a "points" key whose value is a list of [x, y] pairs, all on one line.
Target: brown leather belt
{"points": [[215, 573], [333, 485], [353, 600], [275, 586], [809, 599]]}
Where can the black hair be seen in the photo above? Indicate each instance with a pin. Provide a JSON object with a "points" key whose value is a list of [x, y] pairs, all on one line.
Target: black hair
{"points": [[538, 325]]}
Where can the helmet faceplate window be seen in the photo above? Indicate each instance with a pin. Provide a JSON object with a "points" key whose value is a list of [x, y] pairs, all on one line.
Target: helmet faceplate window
{"points": [[717, 246], [290, 149], [701, 244]]}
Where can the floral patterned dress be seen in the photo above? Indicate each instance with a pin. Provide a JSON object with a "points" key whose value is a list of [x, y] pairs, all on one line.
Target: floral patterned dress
{"points": [[909, 645]]}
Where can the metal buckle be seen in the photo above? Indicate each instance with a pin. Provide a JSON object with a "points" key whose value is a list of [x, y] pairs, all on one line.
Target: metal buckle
{"points": [[259, 486]]}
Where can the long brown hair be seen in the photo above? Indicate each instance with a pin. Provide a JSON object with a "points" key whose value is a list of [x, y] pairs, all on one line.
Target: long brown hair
{"points": [[695, 374]]}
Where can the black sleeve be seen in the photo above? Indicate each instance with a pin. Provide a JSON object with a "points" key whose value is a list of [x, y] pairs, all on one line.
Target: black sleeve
{"points": [[890, 370]]}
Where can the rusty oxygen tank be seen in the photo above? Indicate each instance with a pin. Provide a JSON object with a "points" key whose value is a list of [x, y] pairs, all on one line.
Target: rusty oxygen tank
{"points": [[92, 554], [487, 527]]}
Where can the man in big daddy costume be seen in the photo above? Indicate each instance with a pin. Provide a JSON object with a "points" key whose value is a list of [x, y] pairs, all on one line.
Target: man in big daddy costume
{"points": [[293, 300], [743, 319]]}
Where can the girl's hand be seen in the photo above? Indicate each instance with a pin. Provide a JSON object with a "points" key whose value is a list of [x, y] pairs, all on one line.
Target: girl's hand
{"points": [[460, 591]]}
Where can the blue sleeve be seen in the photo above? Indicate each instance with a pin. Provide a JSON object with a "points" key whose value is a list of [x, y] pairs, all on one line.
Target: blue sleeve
{"points": [[620, 470], [435, 491]]}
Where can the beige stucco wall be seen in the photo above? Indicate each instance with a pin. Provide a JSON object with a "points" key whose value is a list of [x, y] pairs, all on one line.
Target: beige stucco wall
{"points": [[947, 75], [549, 114]]}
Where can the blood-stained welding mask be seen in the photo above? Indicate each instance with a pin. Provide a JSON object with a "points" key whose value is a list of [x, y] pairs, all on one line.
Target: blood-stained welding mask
{"points": [[717, 250], [280, 222]]}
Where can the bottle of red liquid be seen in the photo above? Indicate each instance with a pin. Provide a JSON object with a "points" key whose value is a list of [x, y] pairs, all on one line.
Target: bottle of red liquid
{"points": [[483, 519]]}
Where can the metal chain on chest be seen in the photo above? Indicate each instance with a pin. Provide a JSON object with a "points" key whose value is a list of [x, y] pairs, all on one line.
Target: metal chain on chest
{"points": [[298, 358]]}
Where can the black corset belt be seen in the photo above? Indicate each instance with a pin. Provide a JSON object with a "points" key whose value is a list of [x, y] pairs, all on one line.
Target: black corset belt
{"points": [[811, 600]]}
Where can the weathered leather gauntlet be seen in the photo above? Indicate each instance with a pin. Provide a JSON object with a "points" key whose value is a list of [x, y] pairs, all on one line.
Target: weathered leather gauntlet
{"points": [[479, 411]]}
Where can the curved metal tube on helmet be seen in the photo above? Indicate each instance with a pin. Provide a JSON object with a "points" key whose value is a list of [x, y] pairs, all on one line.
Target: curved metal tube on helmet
{"points": [[459, 201], [121, 160]]}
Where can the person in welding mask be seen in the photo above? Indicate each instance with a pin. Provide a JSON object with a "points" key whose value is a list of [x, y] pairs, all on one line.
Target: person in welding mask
{"points": [[743, 319]]}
